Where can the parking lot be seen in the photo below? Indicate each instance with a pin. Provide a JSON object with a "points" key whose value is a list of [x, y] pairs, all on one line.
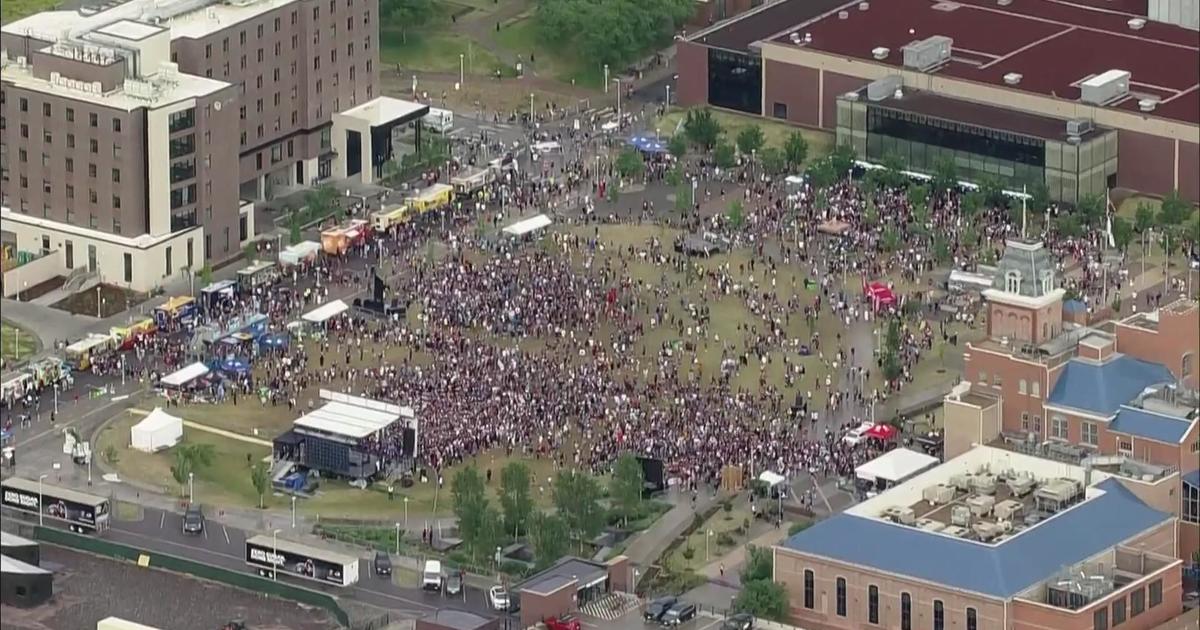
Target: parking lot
{"points": [[632, 620]]}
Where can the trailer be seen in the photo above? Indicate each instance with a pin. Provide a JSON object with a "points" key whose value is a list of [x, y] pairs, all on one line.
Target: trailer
{"points": [[471, 181], [83, 513], [271, 555]]}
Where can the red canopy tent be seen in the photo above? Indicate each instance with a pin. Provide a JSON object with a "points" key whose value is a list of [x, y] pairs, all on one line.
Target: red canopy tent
{"points": [[880, 295], [883, 432]]}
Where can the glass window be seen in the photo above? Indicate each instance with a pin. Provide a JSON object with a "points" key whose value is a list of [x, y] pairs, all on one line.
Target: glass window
{"points": [[905, 611], [972, 619], [1058, 427], [1137, 602], [939, 615], [1090, 434], [1023, 386], [873, 604], [809, 589], [1036, 390], [841, 597], [1155, 593], [1100, 619], [1118, 612], [1191, 504], [735, 81]]}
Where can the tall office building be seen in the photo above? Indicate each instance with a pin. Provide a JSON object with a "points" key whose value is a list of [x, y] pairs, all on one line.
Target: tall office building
{"points": [[136, 138]]}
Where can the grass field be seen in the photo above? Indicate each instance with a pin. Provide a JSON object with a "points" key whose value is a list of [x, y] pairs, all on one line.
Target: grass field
{"points": [[435, 51], [12, 10], [16, 343], [521, 37], [819, 142]]}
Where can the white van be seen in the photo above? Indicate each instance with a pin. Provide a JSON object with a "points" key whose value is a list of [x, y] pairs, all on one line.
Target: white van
{"points": [[438, 120], [431, 577]]}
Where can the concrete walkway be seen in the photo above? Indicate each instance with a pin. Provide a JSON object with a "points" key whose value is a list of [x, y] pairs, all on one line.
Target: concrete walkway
{"points": [[732, 562], [647, 546]]}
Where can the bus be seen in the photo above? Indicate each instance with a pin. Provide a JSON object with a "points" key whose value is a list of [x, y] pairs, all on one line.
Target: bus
{"points": [[270, 554], [83, 513]]}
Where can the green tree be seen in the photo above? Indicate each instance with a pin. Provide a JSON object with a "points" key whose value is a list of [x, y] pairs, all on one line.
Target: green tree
{"points": [[842, 160], [294, 235], [1174, 209], [890, 239], [320, 202], [759, 564], [199, 455], [1039, 197], [111, 455], [677, 145], [1143, 218], [204, 275], [941, 249], [630, 163], [1090, 209], [1069, 226], [993, 193], [550, 538], [918, 197], [702, 128], [972, 202], [683, 196], [516, 498], [406, 14], [471, 508], [626, 486], [675, 176], [795, 149], [260, 478], [822, 173], [750, 139], [763, 599], [577, 498], [1192, 232], [736, 214], [1122, 231], [181, 469], [613, 32], [892, 366], [945, 176], [724, 155], [772, 160], [892, 175]]}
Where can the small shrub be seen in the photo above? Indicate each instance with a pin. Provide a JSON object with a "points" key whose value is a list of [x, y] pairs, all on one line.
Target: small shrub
{"points": [[796, 528], [688, 553], [725, 540]]}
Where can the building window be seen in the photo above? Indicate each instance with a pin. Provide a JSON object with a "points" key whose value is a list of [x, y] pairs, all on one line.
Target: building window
{"points": [[872, 604], [128, 268], [207, 246], [1137, 602], [226, 238], [46, 109], [1047, 282], [243, 229], [116, 125], [116, 225], [809, 589], [168, 260], [1058, 427], [1023, 387], [983, 377], [180, 120], [905, 611], [939, 615], [841, 597], [94, 145], [1118, 612], [1036, 391], [1100, 619], [1186, 364], [1155, 593], [972, 619], [1190, 513], [93, 119], [1090, 434], [1125, 446], [1012, 282]]}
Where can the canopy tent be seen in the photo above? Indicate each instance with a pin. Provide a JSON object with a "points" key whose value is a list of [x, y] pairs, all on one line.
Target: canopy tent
{"points": [[234, 365], [300, 252], [880, 295], [325, 312], [184, 375], [833, 227], [882, 432], [771, 479], [647, 143], [156, 431], [525, 226], [895, 466], [274, 341]]}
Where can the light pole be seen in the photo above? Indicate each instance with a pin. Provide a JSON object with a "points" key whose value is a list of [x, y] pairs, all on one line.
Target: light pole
{"points": [[668, 95], [397, 539], [618, 82], [293, 511], [98, 302], [275, 554], [461, 68], [707, 536], [405, 514], [606, 78], [191, 488], [531, 108], [41, 512], [89, 463]]}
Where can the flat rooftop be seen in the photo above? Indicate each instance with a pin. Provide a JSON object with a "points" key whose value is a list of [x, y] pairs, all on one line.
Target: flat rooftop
{"points": [[130, 29], [989, 116], [761, 23], [185, 18], [1055, 46], [565, 571], [382, 110], [155, 90]]}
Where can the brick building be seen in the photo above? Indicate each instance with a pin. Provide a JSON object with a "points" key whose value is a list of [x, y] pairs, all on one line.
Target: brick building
{"points": [[143, 133], [1080, 96], [992, 539]]}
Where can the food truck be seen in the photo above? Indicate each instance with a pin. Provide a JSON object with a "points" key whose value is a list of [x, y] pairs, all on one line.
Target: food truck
{"points": [[82, 353], [335, 241], [262, 272], [217, 293], [471, 181], [432, 197], [124, 337], [386, 218], [181, 309]]}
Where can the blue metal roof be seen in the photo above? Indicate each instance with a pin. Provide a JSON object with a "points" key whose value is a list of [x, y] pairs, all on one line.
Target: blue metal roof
{"points": [[1192, 479], [1001, 570], [1150, 425], [1073, 306], [1102, 388]]}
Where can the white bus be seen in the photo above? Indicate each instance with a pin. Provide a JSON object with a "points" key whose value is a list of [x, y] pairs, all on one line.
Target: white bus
{"points": [[270, 554]]}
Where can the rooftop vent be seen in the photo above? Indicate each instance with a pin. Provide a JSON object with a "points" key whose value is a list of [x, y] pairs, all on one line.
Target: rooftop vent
{"points": [[842, 15], [795, 38], [808, 38], [899, 93], [850, 96], [928, 53], [1136, 24], [1003, 3], [1105, 87], [1013, 78], [1078, 126], [880, 52], [1147, 104], [863, 6]]}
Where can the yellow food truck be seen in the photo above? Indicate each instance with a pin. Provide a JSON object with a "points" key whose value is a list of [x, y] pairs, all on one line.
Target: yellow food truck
{"points": [[432, 197]]}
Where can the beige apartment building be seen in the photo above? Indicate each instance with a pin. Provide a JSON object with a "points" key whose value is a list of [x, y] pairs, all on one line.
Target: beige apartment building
{"points": [[136, 139]]}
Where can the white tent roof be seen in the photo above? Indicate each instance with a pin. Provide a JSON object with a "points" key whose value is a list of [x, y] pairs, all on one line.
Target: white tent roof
{"points": [[895, 465], [324, 312], [347, 420], [771, 479], [158, 419], [304, 248], [525, 226], [185, 375]]}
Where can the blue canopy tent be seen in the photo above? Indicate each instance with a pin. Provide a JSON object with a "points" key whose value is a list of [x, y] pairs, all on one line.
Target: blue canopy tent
{"points": [[274, 341], [648, 143], [233, 365]]}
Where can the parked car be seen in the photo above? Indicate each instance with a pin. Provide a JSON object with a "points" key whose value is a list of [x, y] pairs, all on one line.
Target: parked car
{"points": [[193, 520], [563, 622], [454, 584], [498, 598], [658, 607], [383, 564], [682, 611], [740, 621]]}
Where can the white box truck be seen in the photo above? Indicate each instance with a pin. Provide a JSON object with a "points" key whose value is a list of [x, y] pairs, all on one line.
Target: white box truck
{"points": [[438, 120]]}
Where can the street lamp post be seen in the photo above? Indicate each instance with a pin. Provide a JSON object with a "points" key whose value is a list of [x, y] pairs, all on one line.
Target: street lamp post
{"points": [[274, 554], [41, 512], [191, 488], [531, 108], [406, 513], [98, 302], [618, 82], [668, 95], [606, 78], [461, 69], [397, 539], [293, 511]]}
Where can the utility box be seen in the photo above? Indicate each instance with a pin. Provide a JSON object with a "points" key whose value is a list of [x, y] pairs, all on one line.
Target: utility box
{"points": [[927, 53], [1105, 87]]}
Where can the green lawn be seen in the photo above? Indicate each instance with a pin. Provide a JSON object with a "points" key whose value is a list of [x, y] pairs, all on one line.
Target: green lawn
{"points": [[819, 142], [16, 344], [434, 51], [521, 37], [728, 532], [12, 10]]}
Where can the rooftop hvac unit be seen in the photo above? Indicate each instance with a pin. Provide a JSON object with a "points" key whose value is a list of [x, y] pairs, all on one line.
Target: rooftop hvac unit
{"points": [[928, 53], [987, 531], [1013, 78], [985, 484], [1003, 3], [863, 6], [1147, 104], [906, 516], [956, 531], [929, 525], [1078, 126], [808, 38], [795, 38], [843, 15], [1021, 486], [960, 515], [981, 505], [880, 53], [939, 494], [1136, 24], [1006, 510], [961, 481], [1105, 87]]}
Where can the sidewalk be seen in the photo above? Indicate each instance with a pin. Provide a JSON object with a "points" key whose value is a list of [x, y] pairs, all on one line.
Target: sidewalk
{"points": [[649, 545], [733, 561]]}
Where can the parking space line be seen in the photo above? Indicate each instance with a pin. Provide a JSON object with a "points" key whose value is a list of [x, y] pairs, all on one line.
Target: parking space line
{"points": [[162, 519], [226, 532]]}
